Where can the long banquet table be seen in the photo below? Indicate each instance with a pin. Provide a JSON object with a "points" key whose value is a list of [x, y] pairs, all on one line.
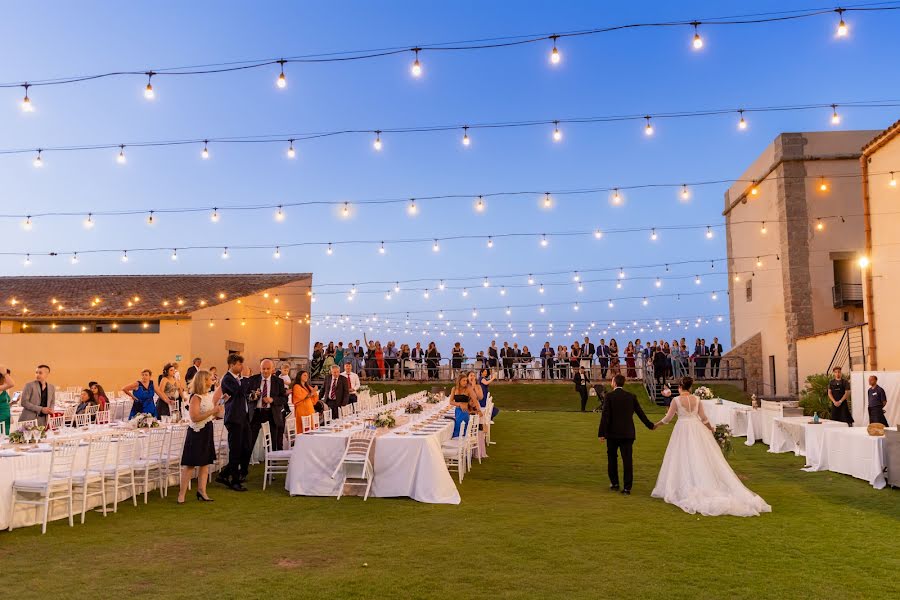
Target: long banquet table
{"points": [[741, 418], [407, 463], [851, 451], [800, 436]]}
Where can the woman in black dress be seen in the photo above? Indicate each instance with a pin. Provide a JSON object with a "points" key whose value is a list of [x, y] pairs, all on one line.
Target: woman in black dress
{"points": [[839, 395], [199, 446]]}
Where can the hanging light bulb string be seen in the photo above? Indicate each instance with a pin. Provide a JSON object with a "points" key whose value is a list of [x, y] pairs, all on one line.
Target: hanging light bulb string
{"points": [[297, 137], [469, 45]]}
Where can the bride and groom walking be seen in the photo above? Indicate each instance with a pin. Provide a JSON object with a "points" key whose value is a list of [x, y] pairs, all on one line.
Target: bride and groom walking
{"points": [[695, 475]]}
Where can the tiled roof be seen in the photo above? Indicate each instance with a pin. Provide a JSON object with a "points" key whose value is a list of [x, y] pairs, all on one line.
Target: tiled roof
{"points": [[890, 132], [138, 296]]}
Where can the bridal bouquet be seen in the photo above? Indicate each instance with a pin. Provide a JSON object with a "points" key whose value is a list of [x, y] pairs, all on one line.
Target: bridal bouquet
{"points": [[413, 408], [143, 421], [704, 393], [385, 419], [723, 438]]}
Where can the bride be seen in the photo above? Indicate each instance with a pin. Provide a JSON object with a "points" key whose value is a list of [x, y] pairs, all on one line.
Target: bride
{"points": [[695, 475]]}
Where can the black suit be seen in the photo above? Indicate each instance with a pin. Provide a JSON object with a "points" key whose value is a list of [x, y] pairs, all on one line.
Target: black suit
{"points": [[581, 383], [508, 357], [617, 426], [341, 396], [715, 351], [603, 359], [237, 422], [192, 370], [272, 414]]}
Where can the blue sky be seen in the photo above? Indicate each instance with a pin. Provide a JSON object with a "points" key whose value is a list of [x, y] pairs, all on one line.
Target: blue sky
{"points": [[642, 71]]}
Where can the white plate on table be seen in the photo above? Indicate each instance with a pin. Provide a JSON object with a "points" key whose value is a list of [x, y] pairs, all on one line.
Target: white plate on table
{"points": [[9, 453]]}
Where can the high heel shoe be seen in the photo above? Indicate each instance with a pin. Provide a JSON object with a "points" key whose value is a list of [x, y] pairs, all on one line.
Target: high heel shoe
{"points": [[202, 499]]}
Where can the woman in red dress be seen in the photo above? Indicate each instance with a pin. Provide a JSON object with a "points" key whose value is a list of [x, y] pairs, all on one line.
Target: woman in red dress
{"points": [[631, 372], [379, 359]]}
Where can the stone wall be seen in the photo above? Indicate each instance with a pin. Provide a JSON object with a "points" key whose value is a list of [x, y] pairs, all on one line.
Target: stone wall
{"points": [[751, 351]]}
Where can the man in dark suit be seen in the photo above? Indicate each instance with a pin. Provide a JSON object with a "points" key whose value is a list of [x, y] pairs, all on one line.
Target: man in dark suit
{"points": [[581, 386], [192, 370], [701, 351], [715, 357], [269, 407], [547, 355], [617, 429], [336, 391], [588, 349], [237, 422], [508, 357], [603, 358]]}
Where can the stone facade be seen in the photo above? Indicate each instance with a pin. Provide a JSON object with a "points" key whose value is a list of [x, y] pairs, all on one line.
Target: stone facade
{"points": [[751, 351]]}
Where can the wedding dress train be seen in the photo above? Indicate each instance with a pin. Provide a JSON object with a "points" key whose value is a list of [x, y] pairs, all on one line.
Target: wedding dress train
{"points": [[695, 475]]}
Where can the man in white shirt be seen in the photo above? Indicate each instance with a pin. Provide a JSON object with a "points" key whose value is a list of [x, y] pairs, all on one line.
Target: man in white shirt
{"points": [[352, 379]]}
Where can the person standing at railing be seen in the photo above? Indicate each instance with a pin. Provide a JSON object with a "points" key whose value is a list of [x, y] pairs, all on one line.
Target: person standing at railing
{"points": [[547, 361], [603, 358], [630, 371], [614, 358], [507, 357], [456, 359], [432, 360], [587, 350], [493, 356], [715, 357], [390, 359]]}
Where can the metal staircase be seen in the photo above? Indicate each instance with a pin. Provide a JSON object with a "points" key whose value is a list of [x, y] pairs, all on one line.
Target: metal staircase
{"points": [[850, 353]]}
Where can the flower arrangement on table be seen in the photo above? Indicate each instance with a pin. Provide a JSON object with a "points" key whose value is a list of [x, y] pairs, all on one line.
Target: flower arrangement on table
{"points": [[143, 421], [385, 419], [704, 393], [723, 438], [363, 389], [433, 398], [413, 408], [28, 433]]}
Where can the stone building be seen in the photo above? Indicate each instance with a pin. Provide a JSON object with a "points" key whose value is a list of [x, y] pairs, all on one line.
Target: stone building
{"points": [[795, 230]]}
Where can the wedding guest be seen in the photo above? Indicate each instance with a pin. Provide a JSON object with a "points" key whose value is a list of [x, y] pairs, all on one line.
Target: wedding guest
{"points": [[547, 361], [715, 357], [456, 358], [142, 392], [192, 370], [353, 381], [701, 352], [478, 393], [630, 371], [417, 354], [329, 351], [877, 402], [371, 363], [614, 357], [432, 360], [379, 359], [587, 350], [485, 379], [507, 357], [461, 398], [336, 391], [317, 360], [493, 356], [339, 354], [660, 363], [304, 396], [525, 359], [575, 356], [838, 394], [390, 359], [87, 400], [213, 378], [199, 445], [6, 383], [234, 389], [167, 403], [405, 371], [38, 397], [269, 406], [99, 395], [359, 360], [581, 386], [562, 362], [603, 358]]}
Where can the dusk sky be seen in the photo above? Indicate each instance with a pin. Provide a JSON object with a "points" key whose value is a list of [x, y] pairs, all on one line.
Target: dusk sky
{"points": [[642, 71]]}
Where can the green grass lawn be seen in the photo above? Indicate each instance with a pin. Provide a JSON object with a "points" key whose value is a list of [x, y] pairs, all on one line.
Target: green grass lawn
{"points": [[536, 521]]}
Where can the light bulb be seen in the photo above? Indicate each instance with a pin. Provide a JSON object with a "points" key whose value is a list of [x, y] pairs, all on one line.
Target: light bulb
{"points": [[75, 259], [291, 153], [685, 194], [541, 289], [381, 249], [503, 291], [124, 256], [416, 68], [576, 277], [441, 285], [542, 309], [121, 157], [174, 255], [277, 253], [610, 304], [435, 247], [27, 262], [598, 234], [892, 182], [554, 54], [214, 217], [281, 82], [377, 143], [697, 279], [329, 251], [148, 91], [621, 273], [485, 283], [709, 232], [616, 197], [842, 27], [225, 253], [823, 185], [530, 280], [714, 296], [425, 294], [648, 129], [557, 134], [345, 212], [150, 219], [820, 226], [658, 282], [758, 262], [754, 190], [698, 41], [465, 292], [544, 240], [26, 101], [548, 201], [863, 262], [397, 287], [205, 154], [89, 222], [279, 215], [645, 302], [508, 310], [38, 163], [479, 204], [742, 124], [490, 242], [26, 225], [835, 117], [580, 287], [412, 208], [763, 229], [653, 235], [465, 139]]}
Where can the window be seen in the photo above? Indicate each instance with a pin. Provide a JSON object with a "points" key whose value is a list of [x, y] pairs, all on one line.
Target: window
{"points": [[86, 327], [749, 286]]}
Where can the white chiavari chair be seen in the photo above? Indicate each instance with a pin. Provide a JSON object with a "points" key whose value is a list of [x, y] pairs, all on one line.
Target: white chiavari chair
{"points": [[172, 456], [26, 424], [356, 463], [120, 472], [56, 422], [326, 416], [102, 417], [290, 428], [69, 414], [472, 441], [221, 444], [92, 473], [454, 451], [276, 461], [306, 423], [93, 409], [82, 420], [49, 487], [151, 465]]}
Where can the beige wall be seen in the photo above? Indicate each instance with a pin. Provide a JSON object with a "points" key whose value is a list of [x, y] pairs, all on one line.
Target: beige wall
{"points": [[117, 359], [814, 353], [885, 254]]}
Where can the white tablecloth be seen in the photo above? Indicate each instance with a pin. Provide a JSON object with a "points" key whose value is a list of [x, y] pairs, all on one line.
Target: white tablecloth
{"points": [[405, 465], [743, 420], [798, 435], [851, 451]]}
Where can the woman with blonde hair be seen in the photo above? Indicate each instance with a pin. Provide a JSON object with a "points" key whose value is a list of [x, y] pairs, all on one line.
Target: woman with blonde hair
{"points": [[199, 446], [463, 397]]}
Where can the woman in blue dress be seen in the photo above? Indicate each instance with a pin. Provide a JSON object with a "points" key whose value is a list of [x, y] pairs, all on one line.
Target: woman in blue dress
{"points": [[142, 393], [462, 396]]}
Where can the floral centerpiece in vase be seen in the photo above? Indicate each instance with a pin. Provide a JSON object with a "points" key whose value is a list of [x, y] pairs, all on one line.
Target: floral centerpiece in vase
{"points": [[704, 393], [28, 434], [433, 398], [386, 420], [143, 421], [413, 408], [723, 438]]}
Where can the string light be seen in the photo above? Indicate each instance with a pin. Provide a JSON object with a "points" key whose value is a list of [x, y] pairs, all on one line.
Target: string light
{"points": [[345, 211], [435, 247], [645, 302], [377, 143], [26, 225], [121, 157], [503, 291], [648, 129], [479, 204], [425, 294], [291, 153], [279, 215], [759, 262], [150, 220], [621, 273], [26, 101], [658, 282], [709, 232], [835, 117], [416, 68], [653, 235], [714, 296], [598, 234], [698, 41], [441, 285], [149, 94], [412, 209], [892, 182], [490, 242], [542, 309], [205, 154], [576, 276], [465, 292], [225, 253], [277, 254], [485, 283], [697, 279], [329, 250], [465, 139], [214, 217], [742, 124], [616, 197], [554, 54], [27, 260], [685, 194], [397, 287], [541, 289], [174, 255], [75, 258], [38, 163], [381, 249], [754, 190], [89, 222], [281, 82], [763, 229], [530, 279], [842, 27], [610, 304], [557, 134], [544, 240], [820, 225], [823, 184]]}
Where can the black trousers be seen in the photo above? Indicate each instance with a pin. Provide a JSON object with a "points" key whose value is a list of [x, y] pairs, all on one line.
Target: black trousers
{"points": [[238, 451], [548, 369], [876, 415], [333, 405], [582, 391], [714, 366], [507, 368], [700, 368], [389, 365], [604, 367], [265, 415], [613, 448]]}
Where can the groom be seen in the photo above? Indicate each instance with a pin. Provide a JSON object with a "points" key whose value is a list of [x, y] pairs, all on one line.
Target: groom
{"points": [[617, 429]]}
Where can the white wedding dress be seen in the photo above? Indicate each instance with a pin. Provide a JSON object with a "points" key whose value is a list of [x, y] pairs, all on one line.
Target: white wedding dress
{"points": [[695, 475]]}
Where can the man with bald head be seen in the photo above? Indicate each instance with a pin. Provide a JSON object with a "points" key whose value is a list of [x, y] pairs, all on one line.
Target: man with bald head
{"points": [[270, 396]]}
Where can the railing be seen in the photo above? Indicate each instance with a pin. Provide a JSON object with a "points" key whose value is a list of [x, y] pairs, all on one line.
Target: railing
{"points": [[847, 294], [851, 349]]}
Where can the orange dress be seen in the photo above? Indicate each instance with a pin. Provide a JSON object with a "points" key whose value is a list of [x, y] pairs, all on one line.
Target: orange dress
{"points": [[303, 401]]}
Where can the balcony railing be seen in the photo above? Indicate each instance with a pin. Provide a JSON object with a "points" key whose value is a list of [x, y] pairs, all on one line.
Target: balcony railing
{"points": [[847, 294]]}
